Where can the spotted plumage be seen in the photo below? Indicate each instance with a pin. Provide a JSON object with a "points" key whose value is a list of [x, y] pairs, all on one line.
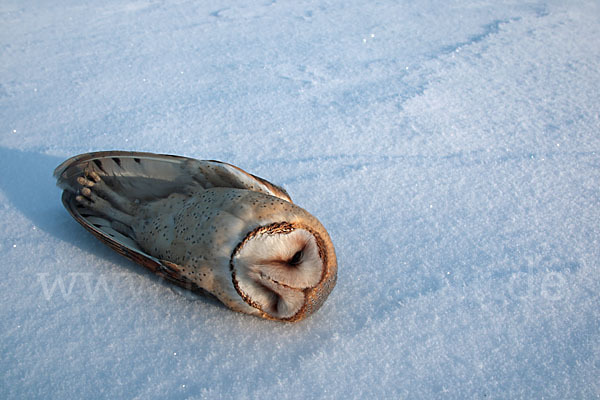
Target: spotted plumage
{"points": [[207, 226]]}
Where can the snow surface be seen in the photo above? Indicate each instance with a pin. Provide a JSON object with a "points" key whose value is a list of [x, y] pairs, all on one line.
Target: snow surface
{"points": [[451, 148]]}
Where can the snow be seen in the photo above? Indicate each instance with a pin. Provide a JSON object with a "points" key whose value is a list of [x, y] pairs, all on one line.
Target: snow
{"points": [[451, 149]]}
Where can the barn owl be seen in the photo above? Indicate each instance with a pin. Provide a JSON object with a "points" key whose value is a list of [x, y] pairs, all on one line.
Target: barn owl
{"points": [[206, 226]]}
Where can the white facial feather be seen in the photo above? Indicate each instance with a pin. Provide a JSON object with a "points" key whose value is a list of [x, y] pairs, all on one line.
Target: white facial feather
{"points": [[273, 270], [272, 298], [270, 254]]}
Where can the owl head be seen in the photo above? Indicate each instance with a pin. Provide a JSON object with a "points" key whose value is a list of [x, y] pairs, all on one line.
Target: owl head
{"points": [[284, 270]]}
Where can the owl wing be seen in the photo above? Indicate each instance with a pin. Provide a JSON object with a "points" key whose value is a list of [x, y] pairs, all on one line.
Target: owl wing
{"points": [[137, 176], [120, 241], [147, 176]]}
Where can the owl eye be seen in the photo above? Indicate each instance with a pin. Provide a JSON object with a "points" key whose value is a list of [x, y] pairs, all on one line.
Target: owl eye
{"points": [[296, 258]]}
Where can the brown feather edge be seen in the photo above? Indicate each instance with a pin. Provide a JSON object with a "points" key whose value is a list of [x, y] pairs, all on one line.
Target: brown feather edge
{"points": [[165, 269]]}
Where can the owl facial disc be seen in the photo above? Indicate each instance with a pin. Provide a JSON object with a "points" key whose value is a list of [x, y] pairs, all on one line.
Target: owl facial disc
{"points": [[275, 267]]}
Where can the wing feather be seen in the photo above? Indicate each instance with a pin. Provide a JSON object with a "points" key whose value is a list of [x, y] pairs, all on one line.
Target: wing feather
{"points": [[126, 246], [146, 176]]}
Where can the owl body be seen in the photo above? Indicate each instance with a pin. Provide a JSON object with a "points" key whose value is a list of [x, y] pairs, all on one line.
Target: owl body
{"points": [[205, 225]]}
